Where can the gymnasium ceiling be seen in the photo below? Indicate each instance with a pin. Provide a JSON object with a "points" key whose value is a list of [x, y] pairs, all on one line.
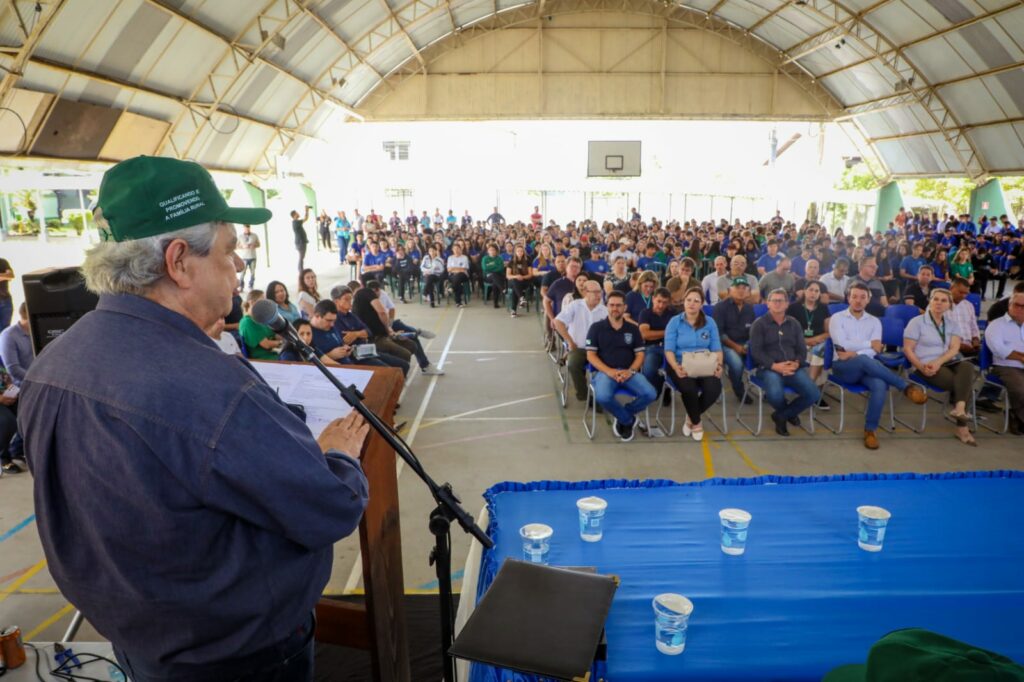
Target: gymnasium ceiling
{"points": [[931, 87]]}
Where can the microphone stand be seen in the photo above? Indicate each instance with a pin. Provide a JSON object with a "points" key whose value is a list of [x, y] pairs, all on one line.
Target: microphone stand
{"points": [[448, 507]]}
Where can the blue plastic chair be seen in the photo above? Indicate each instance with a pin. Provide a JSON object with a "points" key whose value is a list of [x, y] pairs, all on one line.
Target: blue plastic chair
{"points": [[755, 385], [975, 300], [834, 308], [708, 309], [760, 309], [590, 410], [848, 387], [672, 390], [902, 311], [985, 362], [892, 337]]}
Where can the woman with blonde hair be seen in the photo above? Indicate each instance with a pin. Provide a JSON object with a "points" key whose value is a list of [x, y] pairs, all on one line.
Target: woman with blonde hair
{"points": [[639, 298]]}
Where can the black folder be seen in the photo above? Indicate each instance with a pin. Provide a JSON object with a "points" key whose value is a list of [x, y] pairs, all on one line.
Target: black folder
{"points": [[539, 619]]}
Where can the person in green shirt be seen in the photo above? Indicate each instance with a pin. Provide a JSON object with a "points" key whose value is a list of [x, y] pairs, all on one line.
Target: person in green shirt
{"points": [[260, 340], [494, 273], [961, 266]]}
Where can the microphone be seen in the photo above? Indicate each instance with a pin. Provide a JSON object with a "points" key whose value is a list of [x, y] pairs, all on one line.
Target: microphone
{"points": [[266, 313]]}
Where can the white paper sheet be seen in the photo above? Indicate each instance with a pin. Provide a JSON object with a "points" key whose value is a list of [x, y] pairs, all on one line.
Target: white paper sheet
{"points": [[305, 385]]}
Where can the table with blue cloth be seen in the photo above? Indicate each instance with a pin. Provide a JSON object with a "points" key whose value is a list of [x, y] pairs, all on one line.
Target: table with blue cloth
{"points": [[804, 598]]}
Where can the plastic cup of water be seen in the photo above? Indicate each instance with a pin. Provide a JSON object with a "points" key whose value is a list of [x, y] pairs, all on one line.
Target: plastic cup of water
{"points": [[591, 511], [536, 542], [871, 523], [735, 523], [671, 615]]}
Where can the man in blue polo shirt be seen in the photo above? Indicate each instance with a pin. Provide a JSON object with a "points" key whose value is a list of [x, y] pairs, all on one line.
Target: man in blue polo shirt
{"points": [[596, 266], [352, 330], [373, 263], [615, 348], [912, 263], [195, 526], [770, 259]]}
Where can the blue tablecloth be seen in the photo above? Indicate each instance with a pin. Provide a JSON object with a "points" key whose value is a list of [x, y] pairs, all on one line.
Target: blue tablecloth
{"points": [[804, 598]]}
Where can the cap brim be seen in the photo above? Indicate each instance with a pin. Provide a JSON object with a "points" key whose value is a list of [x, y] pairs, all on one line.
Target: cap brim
{"points": [[246, 216], [855, 672]]}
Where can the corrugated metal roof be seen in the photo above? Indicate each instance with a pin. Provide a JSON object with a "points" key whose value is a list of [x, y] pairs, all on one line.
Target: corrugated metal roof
{"points": [[914, 74]]}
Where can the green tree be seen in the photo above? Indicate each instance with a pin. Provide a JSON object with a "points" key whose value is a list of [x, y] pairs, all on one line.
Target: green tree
{"points": [[1013, 189], [953, 193]]}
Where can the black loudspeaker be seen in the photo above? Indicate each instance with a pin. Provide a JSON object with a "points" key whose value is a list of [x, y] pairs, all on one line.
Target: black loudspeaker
{"points": [[56, 298]]}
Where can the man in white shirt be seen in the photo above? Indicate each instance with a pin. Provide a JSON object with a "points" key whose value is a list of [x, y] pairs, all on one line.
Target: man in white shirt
{"points": [[837, 281], [1005, 338], [710, 282], [965, 317], [572, 324], [226, 341], [625, 252], [248, 243], [738, 268], [856, 339]]}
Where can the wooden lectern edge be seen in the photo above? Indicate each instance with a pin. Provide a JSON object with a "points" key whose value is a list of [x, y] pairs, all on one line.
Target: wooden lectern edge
{"points": [[379, 625]]}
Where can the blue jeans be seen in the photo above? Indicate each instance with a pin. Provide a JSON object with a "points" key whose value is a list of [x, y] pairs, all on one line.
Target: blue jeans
{"points": [[604, 391], [6, 312], [342, 248], [654, 358], [734, 363], [774, 391], [875, 377]]}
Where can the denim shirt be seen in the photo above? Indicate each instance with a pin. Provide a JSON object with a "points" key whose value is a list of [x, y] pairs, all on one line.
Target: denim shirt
{"points": [[182, 507]]}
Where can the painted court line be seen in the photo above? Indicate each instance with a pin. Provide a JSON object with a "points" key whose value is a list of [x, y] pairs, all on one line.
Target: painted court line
{"points": [[25, 577], [743, 455], [435, 422], [484, 436], [68, 608], [709, 464], [18, 528], [357, 567]]}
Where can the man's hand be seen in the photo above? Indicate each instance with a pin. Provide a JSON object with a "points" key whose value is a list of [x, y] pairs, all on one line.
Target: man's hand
{"points": [[345, 435], [784, 368], [845, 354], [7, 402], [346, 350], [349, 337]]}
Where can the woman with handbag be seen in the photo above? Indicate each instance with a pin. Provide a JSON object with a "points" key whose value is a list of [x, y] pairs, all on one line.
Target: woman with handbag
{"points": [[931, 343], [693, 352]]}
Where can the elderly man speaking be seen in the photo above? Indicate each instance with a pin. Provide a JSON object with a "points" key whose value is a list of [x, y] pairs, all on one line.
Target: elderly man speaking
{"points": [[183, 508]]}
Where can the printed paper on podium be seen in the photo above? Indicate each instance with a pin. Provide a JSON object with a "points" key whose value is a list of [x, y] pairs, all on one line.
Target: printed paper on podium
{"points": [[305, 385]]}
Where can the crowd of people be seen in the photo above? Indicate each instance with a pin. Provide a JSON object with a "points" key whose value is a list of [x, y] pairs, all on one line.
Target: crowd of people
{"points": [[773, 304]]}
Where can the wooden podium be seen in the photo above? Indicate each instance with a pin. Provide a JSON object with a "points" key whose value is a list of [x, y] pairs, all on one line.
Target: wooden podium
{"points": [[379, 626]]}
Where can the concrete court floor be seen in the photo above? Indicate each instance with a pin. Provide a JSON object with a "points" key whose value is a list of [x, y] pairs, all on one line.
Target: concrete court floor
{"points": [[494, 416]]}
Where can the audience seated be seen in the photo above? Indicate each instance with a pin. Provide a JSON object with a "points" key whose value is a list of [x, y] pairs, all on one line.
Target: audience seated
{"points": [[16, 347], [688, 332], [812, 314], [918, 291], [856, 340], [734, 317], [931, 343], [779, 354], [572, 324], [653, 322], [260, 340], [1005, 338], [615, 349], [278, 293], [225, 341]]}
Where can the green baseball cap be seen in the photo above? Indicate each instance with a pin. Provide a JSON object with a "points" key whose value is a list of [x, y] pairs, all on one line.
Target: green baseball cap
{"points": [[151, 195], [739, 282], [916, 655]]}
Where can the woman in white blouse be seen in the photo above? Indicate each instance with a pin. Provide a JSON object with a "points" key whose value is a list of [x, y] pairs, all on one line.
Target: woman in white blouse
{"points": [[432, 267], [931, 343], [458, 273], [308, 294]]}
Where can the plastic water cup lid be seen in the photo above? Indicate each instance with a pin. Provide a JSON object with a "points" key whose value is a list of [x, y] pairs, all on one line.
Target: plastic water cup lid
{"points": [[536, 531], [676, 603], [874, 512], [735, 515], [591, 504]]}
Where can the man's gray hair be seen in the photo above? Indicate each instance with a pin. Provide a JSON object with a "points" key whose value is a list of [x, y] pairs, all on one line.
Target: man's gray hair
{"points": [[133, 267]]}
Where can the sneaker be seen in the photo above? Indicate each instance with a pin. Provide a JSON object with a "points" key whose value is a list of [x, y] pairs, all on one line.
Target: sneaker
{"points": [[625, 433], [426, 334], [12, 468], [515, 314], [403, 300], [823, 404], [462, 305], [431, 371], [522, 301], [697, 434]]}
